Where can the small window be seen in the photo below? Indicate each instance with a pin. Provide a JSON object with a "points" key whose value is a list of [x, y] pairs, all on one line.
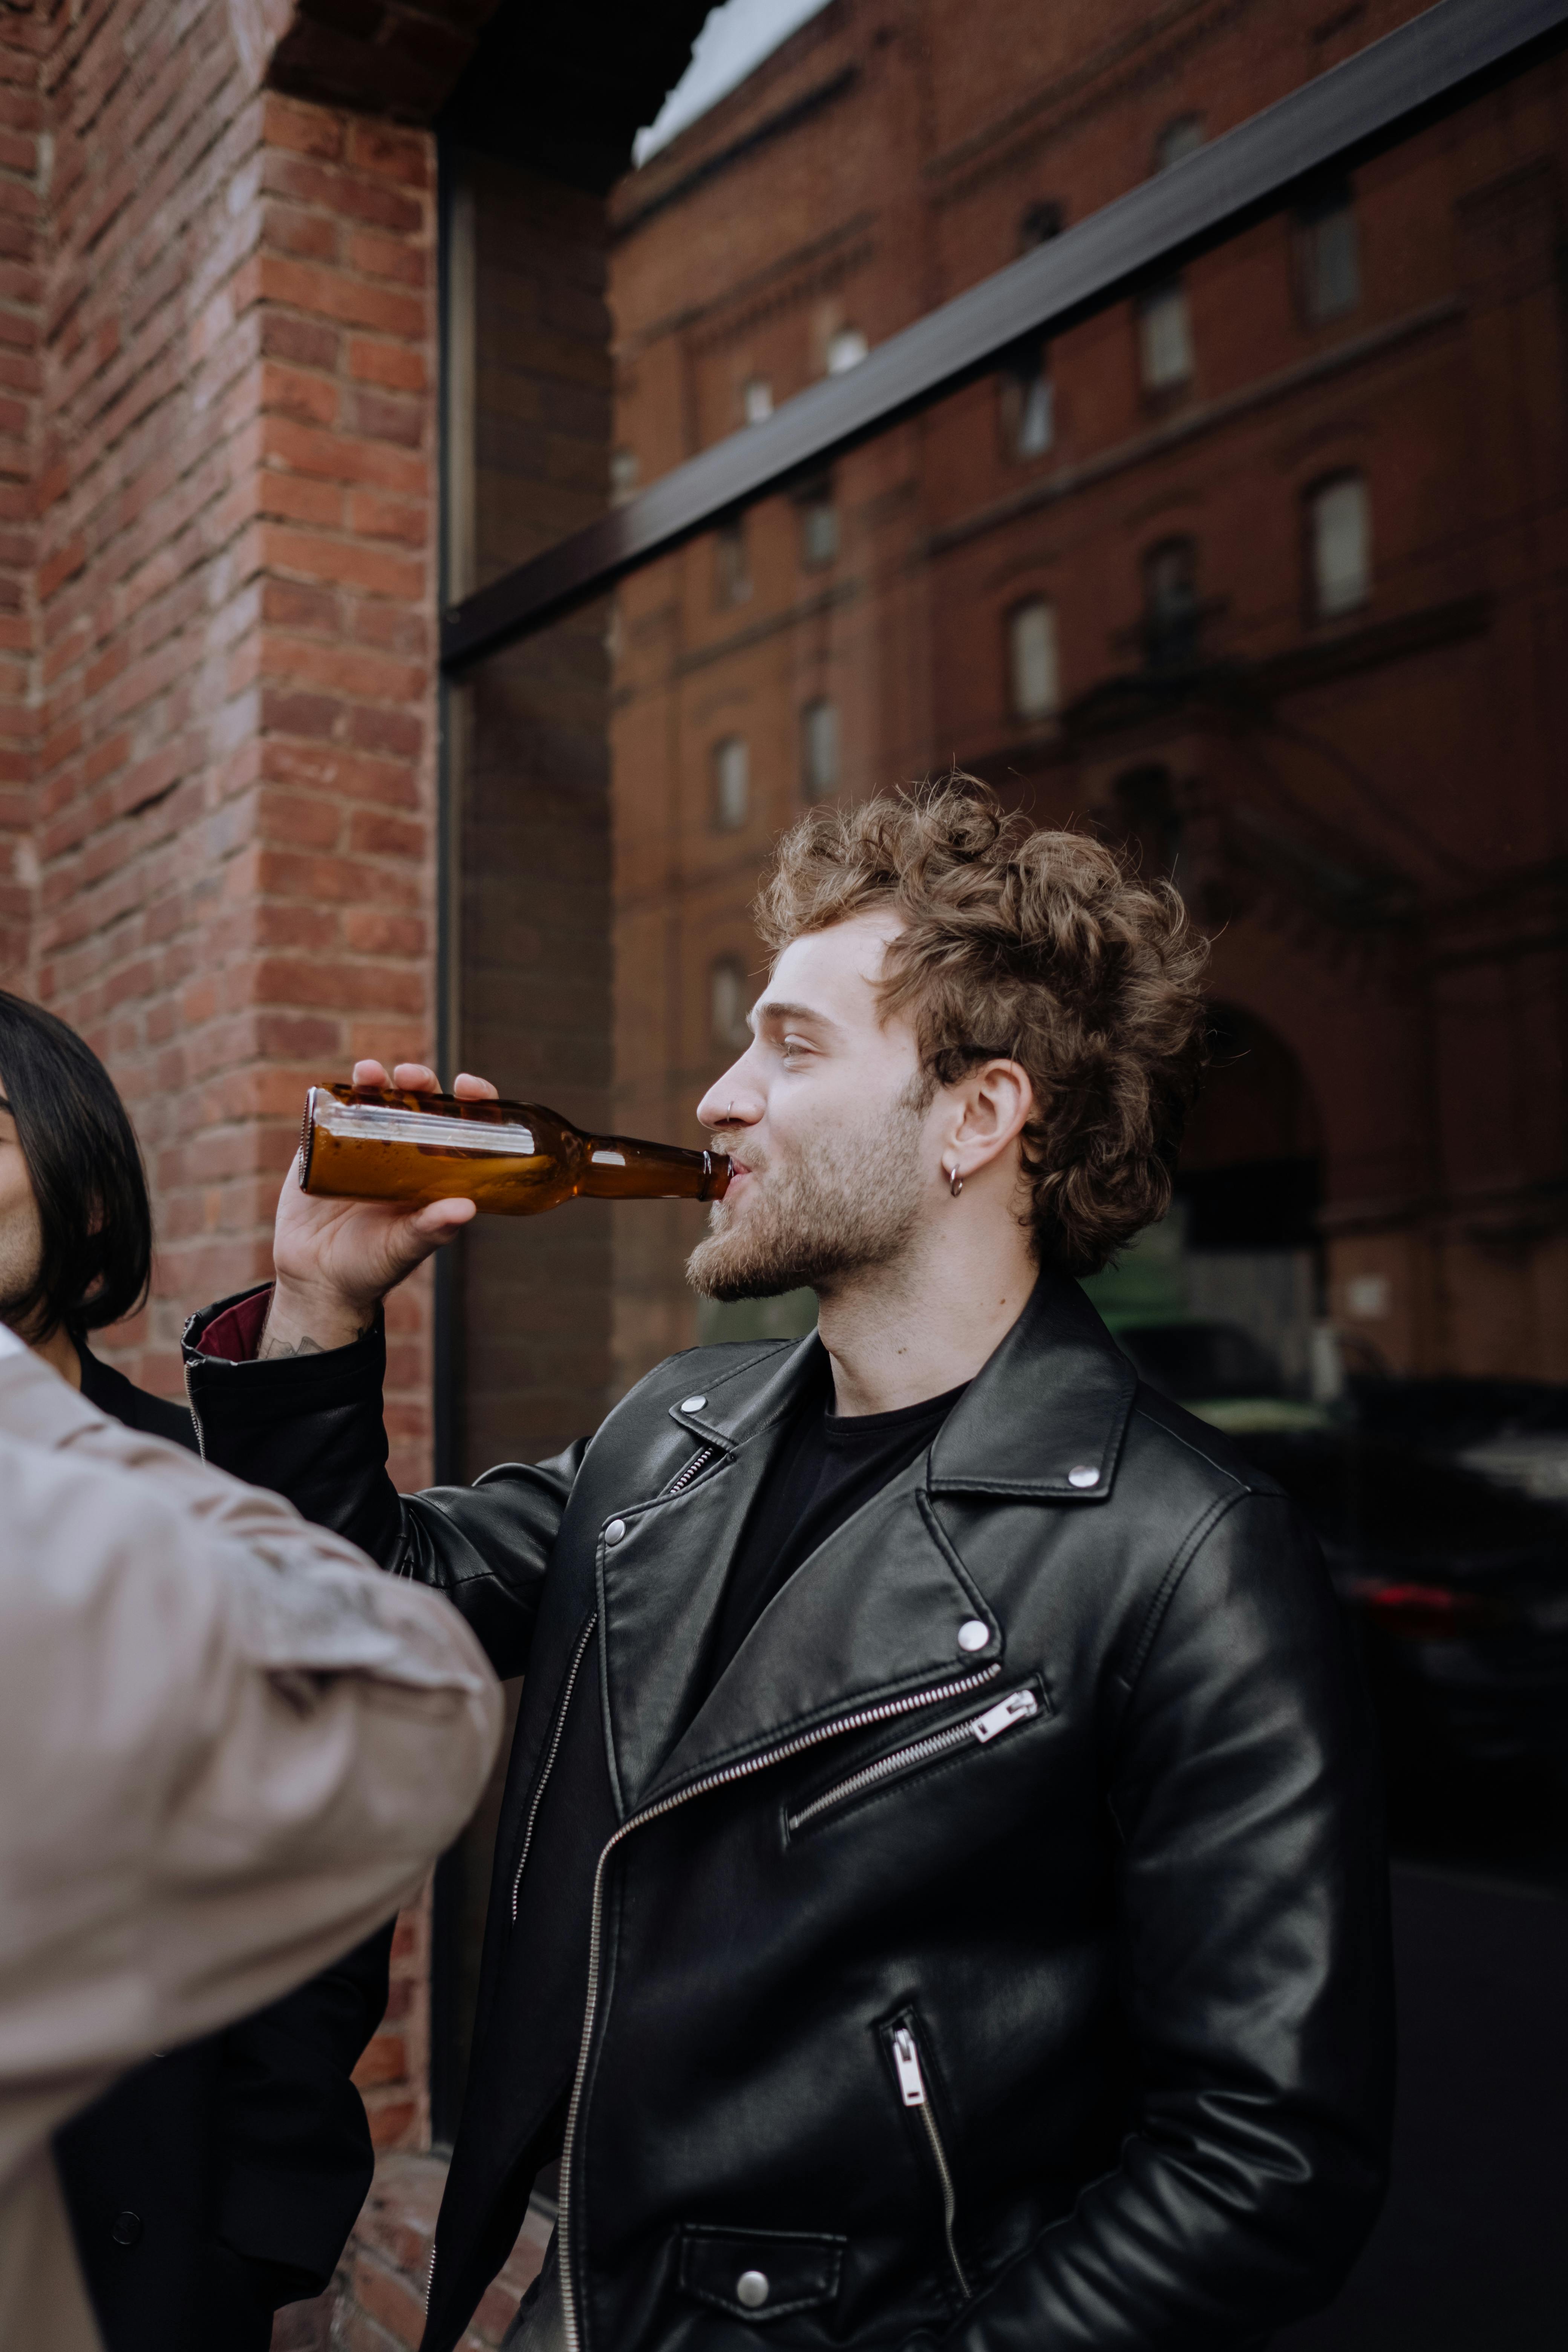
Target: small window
{"points": [[1164, 337], [731, 574], [1178, 138], [1340, 537], [732, 783], [1029, 404], [728, 1001], [1032, 658], [819, 748], [622, 477], [1171, 604], [818, 523], [846, 348], [1330, 253], [757, 400]]}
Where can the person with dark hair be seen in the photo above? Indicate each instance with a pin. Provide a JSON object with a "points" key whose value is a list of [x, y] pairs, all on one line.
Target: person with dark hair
{"points": [[939, 1894], [219, 2181]]}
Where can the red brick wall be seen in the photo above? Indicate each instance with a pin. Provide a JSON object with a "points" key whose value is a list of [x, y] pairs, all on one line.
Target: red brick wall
{"points": [[21, 121], [218, 503], [232, 749]]}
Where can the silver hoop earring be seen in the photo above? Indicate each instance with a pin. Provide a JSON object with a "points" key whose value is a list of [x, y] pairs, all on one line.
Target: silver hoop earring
{"points": [[955, 1183]]}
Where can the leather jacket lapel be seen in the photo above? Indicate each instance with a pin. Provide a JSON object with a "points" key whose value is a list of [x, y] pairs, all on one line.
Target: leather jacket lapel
{"points": [[661, 1582], [876, 1610], [872, 1613]]}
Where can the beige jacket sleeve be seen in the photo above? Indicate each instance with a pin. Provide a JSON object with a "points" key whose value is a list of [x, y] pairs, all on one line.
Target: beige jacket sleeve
{"points": [[228, 1749]]}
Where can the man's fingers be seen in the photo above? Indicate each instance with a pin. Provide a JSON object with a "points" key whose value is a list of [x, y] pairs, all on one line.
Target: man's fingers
{"points": [[473, 1089], [415, 1078], [441, 1218], [370, 1074]]}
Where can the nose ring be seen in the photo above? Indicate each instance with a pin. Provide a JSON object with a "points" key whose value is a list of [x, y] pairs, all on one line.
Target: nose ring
{"points": [[729, 1107]]}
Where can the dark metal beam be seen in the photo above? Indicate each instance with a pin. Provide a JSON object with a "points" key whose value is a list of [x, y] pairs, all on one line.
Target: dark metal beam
{"points": [[1371, 100]]}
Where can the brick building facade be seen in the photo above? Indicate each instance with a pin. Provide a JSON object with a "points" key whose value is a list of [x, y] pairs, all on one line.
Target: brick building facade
{"points": [[1260, 571]]}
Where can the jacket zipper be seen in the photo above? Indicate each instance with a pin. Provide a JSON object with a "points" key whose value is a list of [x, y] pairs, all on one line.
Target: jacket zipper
{"points": [[556, 1729], [862, 1717], [700, 1461], [912, 2091], [1017, 1707]]}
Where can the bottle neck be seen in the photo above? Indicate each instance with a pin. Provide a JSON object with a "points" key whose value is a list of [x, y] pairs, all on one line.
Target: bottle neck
{"points": [[619, 1168]]}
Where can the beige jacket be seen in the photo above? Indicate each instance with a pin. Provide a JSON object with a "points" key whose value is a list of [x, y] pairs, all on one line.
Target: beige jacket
{"points": [[229, 1750]]}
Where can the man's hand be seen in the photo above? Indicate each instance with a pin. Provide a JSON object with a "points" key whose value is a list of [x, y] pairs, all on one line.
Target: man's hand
{"points": [[336, 1260]]}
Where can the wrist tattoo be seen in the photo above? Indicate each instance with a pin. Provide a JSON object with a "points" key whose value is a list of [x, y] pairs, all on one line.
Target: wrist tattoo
{"points": [[271, 1346]]}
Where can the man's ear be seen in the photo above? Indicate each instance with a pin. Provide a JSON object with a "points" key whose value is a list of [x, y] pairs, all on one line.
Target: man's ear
{"points": [[996, 1102]]}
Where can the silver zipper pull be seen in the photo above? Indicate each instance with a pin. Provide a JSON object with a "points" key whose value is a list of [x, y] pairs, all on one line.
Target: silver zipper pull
{"points": [[1014, 1709], [907, 2065]]}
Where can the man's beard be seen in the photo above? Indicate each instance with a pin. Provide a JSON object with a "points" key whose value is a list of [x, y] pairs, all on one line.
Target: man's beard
{"points": [[852, 1205]]}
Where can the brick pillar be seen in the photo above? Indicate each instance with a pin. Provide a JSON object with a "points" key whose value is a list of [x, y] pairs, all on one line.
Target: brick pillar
{"points": [[234, 770], [21, 158], [217, 644]]}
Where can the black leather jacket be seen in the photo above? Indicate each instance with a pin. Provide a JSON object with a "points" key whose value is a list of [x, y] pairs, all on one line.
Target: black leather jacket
{"points": [[997, 1954]]}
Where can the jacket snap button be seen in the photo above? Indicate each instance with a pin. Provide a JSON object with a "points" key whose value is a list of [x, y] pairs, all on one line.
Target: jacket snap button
{"points": [[1081, 1475], [751, 2289], [614, 1531], [692, 1404], [126, 2229], [973, 1635]]}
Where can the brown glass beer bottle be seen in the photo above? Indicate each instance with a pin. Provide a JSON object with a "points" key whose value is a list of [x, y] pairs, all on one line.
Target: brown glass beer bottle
{"points": [[378, 1143]]}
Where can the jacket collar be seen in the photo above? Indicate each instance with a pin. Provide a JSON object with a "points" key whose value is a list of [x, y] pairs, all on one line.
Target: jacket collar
{"points": [[1051, 1401], [874, 1613]]}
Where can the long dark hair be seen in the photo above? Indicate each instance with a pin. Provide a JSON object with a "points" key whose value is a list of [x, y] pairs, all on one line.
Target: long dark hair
{"points": [[88, 1180]]}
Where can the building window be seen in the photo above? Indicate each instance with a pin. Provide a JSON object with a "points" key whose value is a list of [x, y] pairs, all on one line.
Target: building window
{"points": [[819, 748], [846, 347], [1032, 658], [731, 575], [731, 783], [1164, 337], [757, 400], [1171, 604], [1028, 404], [818, 522], [1329, 253], [1340, 545], [728, 1005], [623, 475], [1178, 138]]}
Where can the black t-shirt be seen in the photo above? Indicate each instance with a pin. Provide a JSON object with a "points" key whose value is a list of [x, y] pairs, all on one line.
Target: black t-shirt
{"points": [[827, 1465]]}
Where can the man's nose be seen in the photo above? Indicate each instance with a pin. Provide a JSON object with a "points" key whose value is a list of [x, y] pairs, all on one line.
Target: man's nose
{"points": [[730, 1102]]}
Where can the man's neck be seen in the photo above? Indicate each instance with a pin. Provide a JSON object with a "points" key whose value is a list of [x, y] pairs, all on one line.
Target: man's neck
{"points": [[899, 1334]]}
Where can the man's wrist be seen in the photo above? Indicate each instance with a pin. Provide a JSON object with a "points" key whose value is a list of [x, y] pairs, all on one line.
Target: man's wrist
{"points": [[301, 1322]]}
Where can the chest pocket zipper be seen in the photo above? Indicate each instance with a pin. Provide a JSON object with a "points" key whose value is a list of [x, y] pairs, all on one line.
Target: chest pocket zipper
{"points": [[906, 2067], [683, 1478], [1018, 1707]]}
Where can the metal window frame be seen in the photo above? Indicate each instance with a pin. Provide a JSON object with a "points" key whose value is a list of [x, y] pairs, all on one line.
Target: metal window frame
{"points": [[1372, 100]]}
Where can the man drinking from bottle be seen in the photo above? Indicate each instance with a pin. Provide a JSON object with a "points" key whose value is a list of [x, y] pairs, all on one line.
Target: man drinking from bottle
{"points": [[938, 1896]]}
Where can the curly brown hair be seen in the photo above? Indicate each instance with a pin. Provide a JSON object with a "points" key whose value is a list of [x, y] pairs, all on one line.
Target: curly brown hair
{"points": [[1042, 947]]}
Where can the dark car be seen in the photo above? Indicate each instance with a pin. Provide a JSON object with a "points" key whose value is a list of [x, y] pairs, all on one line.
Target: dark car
{"points": [[1459, 1588], [1458, 1583]]}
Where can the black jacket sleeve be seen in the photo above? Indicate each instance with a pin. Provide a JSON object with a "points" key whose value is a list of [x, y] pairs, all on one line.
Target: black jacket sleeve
{"points": [[1256, 1972], [311, 1428]]}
